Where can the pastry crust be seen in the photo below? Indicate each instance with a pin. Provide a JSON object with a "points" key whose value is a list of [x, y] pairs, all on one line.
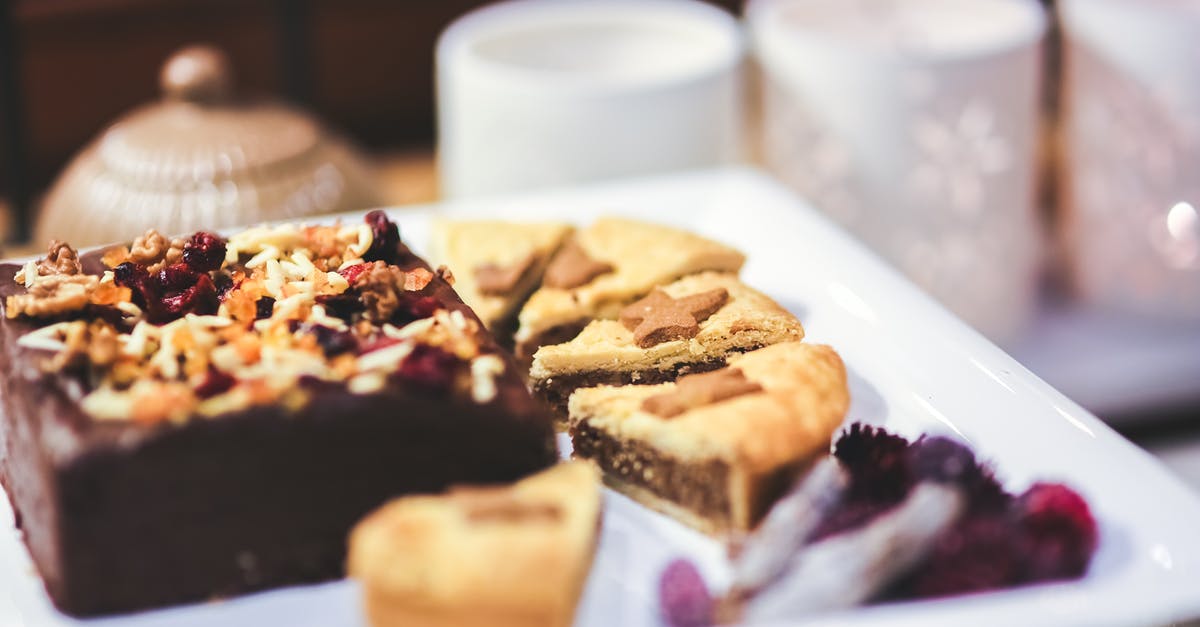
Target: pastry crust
{"points": [[425, 559], [466, 245], [748, 320], [643, 255]]}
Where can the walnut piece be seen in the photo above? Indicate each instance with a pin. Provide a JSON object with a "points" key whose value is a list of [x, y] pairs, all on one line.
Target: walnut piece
{"points": [[53, 295], [60, 259], [153, 250], [381, 287]]}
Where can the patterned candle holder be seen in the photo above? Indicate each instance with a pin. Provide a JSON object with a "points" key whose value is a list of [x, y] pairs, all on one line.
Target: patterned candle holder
{"points": [[914, 123], [1133, 148]]}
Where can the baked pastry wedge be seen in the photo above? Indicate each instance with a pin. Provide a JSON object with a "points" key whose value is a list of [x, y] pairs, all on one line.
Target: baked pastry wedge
{"points": [[607, 266], [715, 450], [692, 325], [514, 556], [185, 419], [497, 264]]}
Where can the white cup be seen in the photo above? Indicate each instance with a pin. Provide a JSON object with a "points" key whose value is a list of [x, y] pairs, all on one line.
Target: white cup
{"points": [[1133, 147], [539, 93], [914, 123]]}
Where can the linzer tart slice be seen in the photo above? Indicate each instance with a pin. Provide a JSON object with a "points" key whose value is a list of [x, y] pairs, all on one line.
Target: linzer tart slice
{"points": [[513, 556], [715, 450], [606, 266], [692, 325], [196, 417], [496, 264]]}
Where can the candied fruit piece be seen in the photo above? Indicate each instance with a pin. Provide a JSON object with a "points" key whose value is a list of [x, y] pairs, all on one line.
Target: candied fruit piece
{"points": [[204, 252], [684, 599]]}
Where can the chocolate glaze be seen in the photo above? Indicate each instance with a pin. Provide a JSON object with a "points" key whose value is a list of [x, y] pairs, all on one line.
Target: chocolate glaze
{"points": [[120, 516]]}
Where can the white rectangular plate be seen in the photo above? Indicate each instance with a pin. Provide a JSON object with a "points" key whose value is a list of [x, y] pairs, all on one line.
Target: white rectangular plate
{"points": [[914, 368]]}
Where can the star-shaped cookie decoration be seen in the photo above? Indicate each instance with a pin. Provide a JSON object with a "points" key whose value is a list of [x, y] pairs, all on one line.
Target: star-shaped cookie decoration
{"points": [[572, 267], [698, 390], [498, 280], [658, 318]]}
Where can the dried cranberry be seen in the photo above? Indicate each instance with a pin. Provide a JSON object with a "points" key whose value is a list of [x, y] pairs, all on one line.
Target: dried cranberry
{"points": [[133, 276], [264, 307], [386, 238], [343, 305], [979, 553], [224, 283], [351, 273], [683, 597], [429, 367], [204, 252], [215, 382], [332, 341], [416, 308], [182, 291], [1060, 531]]}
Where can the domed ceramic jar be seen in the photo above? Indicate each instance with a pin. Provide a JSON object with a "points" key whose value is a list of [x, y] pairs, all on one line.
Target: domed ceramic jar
{"points": [[200, 159]]}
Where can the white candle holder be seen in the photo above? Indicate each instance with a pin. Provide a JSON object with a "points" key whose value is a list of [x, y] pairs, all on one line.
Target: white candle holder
{"points": [[538, 93], [1133, 145], [914, 123]]}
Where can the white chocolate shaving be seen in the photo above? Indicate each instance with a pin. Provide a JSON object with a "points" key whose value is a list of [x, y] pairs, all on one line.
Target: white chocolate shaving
{"points": [[484, 370]]}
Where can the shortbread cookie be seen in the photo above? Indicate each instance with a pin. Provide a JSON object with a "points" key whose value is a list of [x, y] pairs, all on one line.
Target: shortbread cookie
{"points": [[498, 556], [607, 266], [496, 264], [715, 450], [692, 325]]}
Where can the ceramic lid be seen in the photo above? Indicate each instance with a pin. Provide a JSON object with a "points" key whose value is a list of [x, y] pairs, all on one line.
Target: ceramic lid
{"points": [[203, 159]]}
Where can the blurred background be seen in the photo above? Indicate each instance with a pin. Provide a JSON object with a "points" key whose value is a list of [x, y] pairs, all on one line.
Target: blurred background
{"points": [[1031, 164]]}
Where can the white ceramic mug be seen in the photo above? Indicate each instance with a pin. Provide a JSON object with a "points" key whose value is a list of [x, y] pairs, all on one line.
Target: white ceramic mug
{"points": [[914, 123], [538, 93], [1132, 130]]}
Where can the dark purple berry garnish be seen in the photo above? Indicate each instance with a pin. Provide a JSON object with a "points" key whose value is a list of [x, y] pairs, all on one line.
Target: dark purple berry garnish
{"points": [[980, 553], [386, 238], [1059, 530], [215, 382], [683, 597], [429, 367], [264, 307], [877, 461], [204, 252], [945, 460]]}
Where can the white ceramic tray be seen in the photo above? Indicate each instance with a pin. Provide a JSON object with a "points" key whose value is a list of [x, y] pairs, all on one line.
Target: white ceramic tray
{"points": [[914, 368]]}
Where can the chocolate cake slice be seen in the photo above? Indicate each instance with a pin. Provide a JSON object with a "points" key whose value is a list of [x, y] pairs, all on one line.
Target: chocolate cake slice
{"points": [[606, 266], [692, 325], [716, 449], [194, 418]]}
